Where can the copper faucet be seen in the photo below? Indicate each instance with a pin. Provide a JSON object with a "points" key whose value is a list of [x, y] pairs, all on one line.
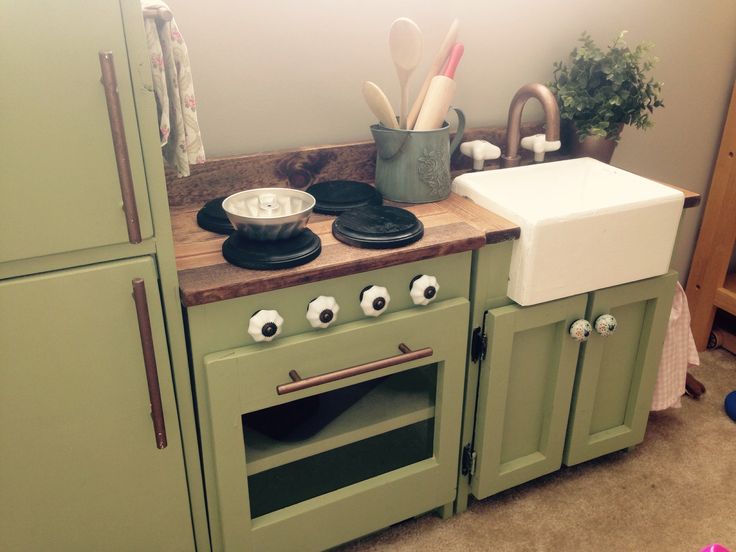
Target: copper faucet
{"points": [[513, 128]]}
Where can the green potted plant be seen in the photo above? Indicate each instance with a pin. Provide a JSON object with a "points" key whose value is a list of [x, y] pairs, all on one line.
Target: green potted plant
{"points": [[599, 92]]}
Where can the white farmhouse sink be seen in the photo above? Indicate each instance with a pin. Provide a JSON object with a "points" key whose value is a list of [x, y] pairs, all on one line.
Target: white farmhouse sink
{"points": [[584, 225]]}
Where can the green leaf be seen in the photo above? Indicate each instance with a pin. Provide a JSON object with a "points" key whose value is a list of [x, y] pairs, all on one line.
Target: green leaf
{"points": [[600, 89]]}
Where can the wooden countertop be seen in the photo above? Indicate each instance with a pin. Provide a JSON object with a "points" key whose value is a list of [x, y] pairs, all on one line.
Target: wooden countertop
{"points": [[450, 226]]}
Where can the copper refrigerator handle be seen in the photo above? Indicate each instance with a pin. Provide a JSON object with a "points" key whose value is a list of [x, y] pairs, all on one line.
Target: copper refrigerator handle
{"points": [[122, 159], [149, 361], [297, 383]]}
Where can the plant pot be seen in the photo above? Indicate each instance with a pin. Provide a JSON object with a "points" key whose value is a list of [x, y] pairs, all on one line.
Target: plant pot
{"points": [[591, 146]]}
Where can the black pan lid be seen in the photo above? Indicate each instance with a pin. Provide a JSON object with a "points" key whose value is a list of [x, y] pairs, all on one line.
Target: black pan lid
{"points": [[212, 217], [337, 196], [378, 227], [271, 255]]}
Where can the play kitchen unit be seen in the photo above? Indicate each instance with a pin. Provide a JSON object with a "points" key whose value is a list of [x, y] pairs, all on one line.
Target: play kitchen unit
{"points": [[335, 365]]}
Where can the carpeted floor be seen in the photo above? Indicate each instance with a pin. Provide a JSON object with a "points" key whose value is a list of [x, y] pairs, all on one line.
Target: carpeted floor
{"points": [[676, 492]]}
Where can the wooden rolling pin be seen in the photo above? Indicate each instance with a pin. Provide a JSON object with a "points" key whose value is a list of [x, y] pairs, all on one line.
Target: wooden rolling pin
{"points": [[440, 94]]}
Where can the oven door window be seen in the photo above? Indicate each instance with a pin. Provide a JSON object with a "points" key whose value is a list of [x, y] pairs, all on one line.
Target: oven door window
{"points": [[321, 443]]}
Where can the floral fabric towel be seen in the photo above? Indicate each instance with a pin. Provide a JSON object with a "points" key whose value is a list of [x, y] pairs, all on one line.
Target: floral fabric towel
{"points": [[181, 141], [679, 353]]}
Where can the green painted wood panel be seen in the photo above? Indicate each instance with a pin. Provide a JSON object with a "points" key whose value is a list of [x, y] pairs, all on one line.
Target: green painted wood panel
{"points": [[58, 166], [79, 466], [242, 380], [488, 283], [524, 393], [145, 104], [616, 374]]}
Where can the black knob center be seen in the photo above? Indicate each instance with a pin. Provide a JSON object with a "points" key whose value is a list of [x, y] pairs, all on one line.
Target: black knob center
{"points": [[269, 329], [379, 303], [326, 316], [430, 292]]}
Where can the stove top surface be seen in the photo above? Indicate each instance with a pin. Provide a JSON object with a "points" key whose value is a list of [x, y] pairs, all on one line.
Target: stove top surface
{"points": [[378, 227], [212, 217], [337, 196], [271, 255]]}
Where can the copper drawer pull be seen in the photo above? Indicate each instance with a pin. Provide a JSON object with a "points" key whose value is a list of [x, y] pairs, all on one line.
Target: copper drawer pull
{"points": [[297, 383], [117, 127], [149, 361]]}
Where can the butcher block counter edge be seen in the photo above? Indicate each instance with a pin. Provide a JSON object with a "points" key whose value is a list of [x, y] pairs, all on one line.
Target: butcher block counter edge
{"points": [[450, 226]]}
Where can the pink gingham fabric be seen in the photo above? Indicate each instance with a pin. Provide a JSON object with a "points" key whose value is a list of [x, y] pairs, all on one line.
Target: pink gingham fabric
{"points": [[678, 354]]}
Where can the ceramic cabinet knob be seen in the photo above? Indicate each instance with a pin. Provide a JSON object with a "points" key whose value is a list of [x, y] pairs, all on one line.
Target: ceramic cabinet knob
{"points": [[423, 289], [322, 311], [580, 330], [265, 325], [605, 324], [374, 300]]}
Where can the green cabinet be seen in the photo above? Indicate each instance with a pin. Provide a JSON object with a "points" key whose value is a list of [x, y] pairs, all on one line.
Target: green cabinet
{"points": [[616, 373], [80, 468], [384, 445], [524, 393], [79, 463], [543, 399], [60, 187]]}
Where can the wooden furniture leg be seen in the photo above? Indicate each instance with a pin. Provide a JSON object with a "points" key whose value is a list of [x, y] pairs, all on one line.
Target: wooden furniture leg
{"points": [[708, 286], [693, 387]]}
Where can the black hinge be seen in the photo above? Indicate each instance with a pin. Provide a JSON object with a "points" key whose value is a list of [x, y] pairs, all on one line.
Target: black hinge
{"points": [[468, 461], [479, 342]]}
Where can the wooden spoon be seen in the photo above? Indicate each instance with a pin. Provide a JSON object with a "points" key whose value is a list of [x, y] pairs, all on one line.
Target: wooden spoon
{"points": [[379, 104], [405, 43]]}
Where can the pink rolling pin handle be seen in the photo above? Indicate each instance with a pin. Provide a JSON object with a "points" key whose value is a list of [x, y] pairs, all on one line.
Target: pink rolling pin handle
{"points": [[452, 60]]}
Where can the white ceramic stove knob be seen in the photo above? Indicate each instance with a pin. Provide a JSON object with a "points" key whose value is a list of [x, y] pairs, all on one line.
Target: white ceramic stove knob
{"points": [[480, 151], [374, 300], [423, 289], [265, 325], [580, 330], [322, 311], [605, 324], [539, 145]]}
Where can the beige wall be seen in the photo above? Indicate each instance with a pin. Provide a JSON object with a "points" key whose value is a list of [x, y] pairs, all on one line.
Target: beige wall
{"points": [[283, 73]]}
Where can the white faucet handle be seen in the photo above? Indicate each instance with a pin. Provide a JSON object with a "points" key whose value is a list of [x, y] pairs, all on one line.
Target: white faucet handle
{"points": [[539, 145], [480, 151]]}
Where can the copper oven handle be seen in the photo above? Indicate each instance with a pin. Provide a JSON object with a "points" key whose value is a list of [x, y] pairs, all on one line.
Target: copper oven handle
{"points": [[117, 127], [149, 361], [297, 383]]}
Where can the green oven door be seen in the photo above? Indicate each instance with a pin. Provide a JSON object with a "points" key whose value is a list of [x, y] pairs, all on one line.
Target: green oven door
{"points": [[375, 440]]}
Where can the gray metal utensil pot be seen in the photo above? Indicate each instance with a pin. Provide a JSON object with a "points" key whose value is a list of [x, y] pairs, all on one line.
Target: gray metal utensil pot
{"points": [[413, 166]]}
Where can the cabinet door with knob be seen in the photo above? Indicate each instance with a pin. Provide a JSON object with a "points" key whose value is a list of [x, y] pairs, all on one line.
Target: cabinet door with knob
{"points": [[524, 393], [90, 452], [617, 372], [73, 175], [566, 381]]}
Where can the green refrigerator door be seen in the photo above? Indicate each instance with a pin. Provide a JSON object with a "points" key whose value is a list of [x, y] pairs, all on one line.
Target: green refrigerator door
{"points": [[60, 188], [79, 463], [524, 393], [617, 373]]}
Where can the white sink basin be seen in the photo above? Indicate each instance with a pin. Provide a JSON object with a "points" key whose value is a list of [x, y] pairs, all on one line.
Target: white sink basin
{"points": [[585, 225]]}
